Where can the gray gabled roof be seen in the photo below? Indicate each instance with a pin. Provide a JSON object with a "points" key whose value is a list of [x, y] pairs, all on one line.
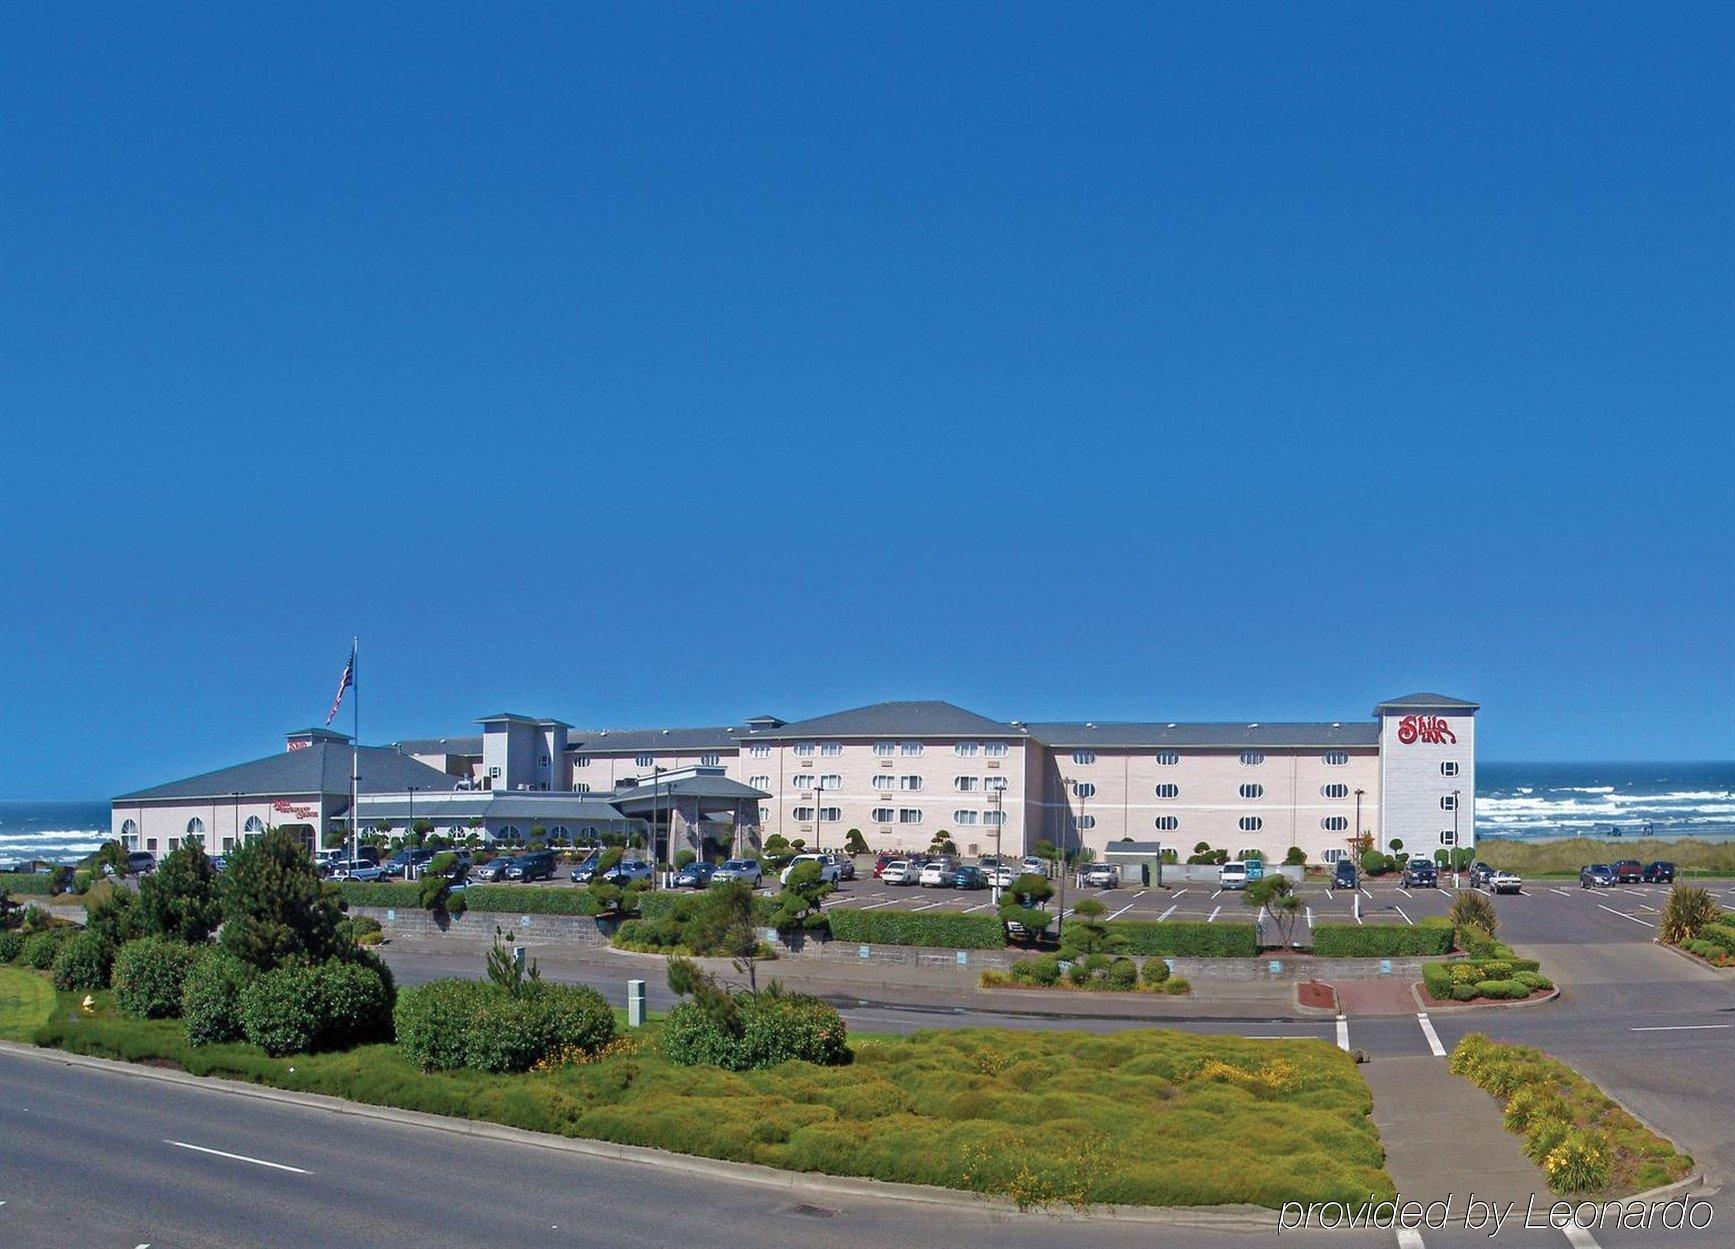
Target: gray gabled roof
{"points": [[549, 807], [320, 768], [440, 746], [706, 785], [1425, 702], [928, 718], [650, 741], [1225, 736]]}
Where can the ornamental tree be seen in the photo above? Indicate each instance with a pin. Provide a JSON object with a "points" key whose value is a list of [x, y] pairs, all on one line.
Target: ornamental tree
{"points": [[179, 899], [274, 905]]}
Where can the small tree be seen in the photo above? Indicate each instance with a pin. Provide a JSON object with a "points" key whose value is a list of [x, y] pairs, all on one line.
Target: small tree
{"points": [[1021, 906], [179, 899], [725, 924], [854, 842], [1687, 911], [1045, 849], [1470, 909], [1297, 857], [112, 910], [798, 904], [1396, 845], [1277, 901], [1088, 933], [508, 972], [274, 905]]}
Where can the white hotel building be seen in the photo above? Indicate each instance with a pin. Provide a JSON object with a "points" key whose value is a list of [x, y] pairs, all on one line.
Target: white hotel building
{"points": [[898, 771]]}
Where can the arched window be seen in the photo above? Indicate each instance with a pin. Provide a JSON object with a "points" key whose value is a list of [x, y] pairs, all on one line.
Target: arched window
{"points": [[1167, 790], [1336, 758], [1084, 756], [510, 833], [196, 829], [129, 832], [1087, 822], [253, 827], [560, 832], [1251, 790], [1168, 823], [1252, 758], [1084, 789], [1335, 790], [1251, 823], [1168, 758], [1334, 823]]}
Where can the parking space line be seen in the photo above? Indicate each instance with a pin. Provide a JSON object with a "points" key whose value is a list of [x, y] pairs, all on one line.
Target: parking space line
{"points": [[1328, 896], [1407, 919], [1343, 1032], [1563, 893], [1211, 918], [1680, 1027], [1433, 1038], [1405, 892], [1177, 893], [927, 906], [1647, 923], [1410, 1238], [979, 906], [875, 905], [1444, 893], [1167, 913], [1310, 917], [1215, 896], [1122, 911], [1580, 1238]]}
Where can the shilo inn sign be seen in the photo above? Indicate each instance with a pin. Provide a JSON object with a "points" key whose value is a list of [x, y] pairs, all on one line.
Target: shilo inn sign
{"points": [[1432, 730], [300, 813]]}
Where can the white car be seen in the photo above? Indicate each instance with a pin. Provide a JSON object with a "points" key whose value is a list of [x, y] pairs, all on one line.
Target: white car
{"points": [[1033, 866], [1506, 882], [1232, 875], [827, 867], [355, 869], [1001, 877], [899, 872], [937, 875], [744, 870]]}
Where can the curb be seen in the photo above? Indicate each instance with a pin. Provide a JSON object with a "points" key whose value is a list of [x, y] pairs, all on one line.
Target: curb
{"points": [[1553, 995], [1692, 958], [1245, 1218]]}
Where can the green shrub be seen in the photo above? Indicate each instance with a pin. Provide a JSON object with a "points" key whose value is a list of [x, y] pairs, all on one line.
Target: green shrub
{"points": [[1463, 993], [433, 1022], [150, 976], [1189, 939], [1122, 975], [1430, 937], [37, 883], [952, 932], [1045, 969], [40, 948], [83, 963], [1580, 1163], [1155, 972], [774, 1029], [1721, 935], [211, 1000], [279, 1012], [11, 946], [448, 1024], [1687, 911], [354, 1003], [1437, 980], [299, 1007]]}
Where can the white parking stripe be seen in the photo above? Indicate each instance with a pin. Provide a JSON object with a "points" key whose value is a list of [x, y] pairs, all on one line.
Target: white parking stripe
{"points": [[928, 907], [1177, 893], [1342, 1032], [1122, 911], [1434, 1046], [1580, 1238], [1681, 1027], [1213, 915], [258, 1162], [1215, 896], [874, 905], [1407, 919], [1329, 897], [1563, 893], [1410, 1238], [1444, 893], [1404, 891], [1310, 917], [1167, 913], [1647, 923], [979, 906]]}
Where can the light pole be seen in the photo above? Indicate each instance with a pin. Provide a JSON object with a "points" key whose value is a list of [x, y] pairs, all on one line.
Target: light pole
{"points": [[1454, 856], [999, 819], [656, 812], [1355, 843], [410, 832], [234, 817]]}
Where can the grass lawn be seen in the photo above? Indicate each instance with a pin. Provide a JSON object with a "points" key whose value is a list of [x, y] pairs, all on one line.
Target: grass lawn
{"points": [[26, 999], [1139, 1117]]}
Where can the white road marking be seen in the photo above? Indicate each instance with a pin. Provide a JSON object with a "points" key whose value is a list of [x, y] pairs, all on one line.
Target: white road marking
{"points": [[980, 905], [1681, 1027], [1215, 896], [1177, 893], [1647, 923], [1343, 1032], [1122, 911], [1329, 897], [928, 907], [1410, 1238], [1580, 1238], [1444, 893], [1213, 915], [1310, 917], [1138, 895], [1434, 1046], [258, 1162], [1400, 911], [1563, 893], [874, 905], [1404, 891], [1167, 913]]}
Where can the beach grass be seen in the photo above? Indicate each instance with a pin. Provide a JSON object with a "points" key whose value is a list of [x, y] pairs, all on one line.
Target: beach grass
{"points": [[1564, 858]]}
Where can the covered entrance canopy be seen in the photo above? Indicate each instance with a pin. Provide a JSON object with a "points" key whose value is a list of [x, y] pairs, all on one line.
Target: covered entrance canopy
{"points": [[686, 805]]}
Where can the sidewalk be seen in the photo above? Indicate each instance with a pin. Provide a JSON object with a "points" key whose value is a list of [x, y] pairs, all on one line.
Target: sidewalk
{"points": [[1444, 1137]]}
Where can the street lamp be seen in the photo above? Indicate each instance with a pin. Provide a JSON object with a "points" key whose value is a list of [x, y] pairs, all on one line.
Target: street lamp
{"points": [[1455, 800], [234, 817], [999, 820], [1355, 845], [409, 832]]}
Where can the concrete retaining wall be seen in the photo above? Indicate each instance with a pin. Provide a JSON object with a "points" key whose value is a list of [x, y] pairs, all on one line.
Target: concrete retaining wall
{"points": [[414, 922]]}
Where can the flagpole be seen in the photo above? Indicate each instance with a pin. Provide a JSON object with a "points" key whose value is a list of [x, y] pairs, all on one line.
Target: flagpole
{"points": [[355, 749]]}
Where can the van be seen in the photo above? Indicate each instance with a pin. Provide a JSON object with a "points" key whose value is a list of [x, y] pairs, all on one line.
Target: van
{"points": [[1232, 875]]}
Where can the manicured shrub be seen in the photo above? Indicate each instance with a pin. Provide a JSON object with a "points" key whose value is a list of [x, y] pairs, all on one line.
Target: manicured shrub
{"points": [[211, 1000], [11, 946], [1045, 969], [83, 963], [279, 1010], [365, 930], [1430, 937], [1437, 980], [500, 899], [952, 932], [448, 1024], [579, 1018], [1190, 939], [1155, 972], [433, 1021], [353, 1000], [40, 948], [1463, 993], [1122, 975], [773, 1029], [150, 976]]}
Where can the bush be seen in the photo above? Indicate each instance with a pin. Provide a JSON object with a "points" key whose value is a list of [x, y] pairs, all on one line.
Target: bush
{"points": [[953, 932], [1044, 969], [1156, 972], [277, 1010], [211, 1000], [354, 1002], [1191, 939], [1472, 910], [1297, 857], [448, 1024], [1437, 980], [83, 963], [774, 1029], [299, 1007], [150, 976], [11, 946], [1688, 910], [40, 948], [275, 907], [434, 1020], [1429, 937], [1122, 974], [179, 899]]}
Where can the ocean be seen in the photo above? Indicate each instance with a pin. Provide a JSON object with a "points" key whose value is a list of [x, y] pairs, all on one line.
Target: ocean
{"points": [[1528, 800]]}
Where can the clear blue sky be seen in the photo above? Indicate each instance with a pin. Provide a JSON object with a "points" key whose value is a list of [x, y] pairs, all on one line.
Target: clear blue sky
{"points": [[654, 364]]}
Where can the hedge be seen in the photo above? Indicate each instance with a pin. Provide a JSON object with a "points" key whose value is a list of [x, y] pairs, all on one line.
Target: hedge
{"points": [[664, 901], [951, 932], [1430, 937], [500, 899], [1188, 939], [39, 883]]}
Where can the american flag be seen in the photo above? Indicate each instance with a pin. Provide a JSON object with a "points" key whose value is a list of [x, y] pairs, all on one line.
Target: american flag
{"points": [[344, 682]]}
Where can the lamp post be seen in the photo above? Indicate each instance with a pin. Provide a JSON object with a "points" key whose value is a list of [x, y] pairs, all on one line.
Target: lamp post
{"points": [[1454, 855], [409, 832], [999, 820], [656, 812], [234, 817], [1355, 842]]}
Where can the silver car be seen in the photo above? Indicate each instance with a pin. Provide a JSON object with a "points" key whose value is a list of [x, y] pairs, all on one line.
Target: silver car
{"points": [[745, 870]]}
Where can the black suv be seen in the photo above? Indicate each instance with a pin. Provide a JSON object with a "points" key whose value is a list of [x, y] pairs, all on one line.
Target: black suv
{"points": [[1344, 875], [1480, 874], [1421, 872], [1662, 872]]}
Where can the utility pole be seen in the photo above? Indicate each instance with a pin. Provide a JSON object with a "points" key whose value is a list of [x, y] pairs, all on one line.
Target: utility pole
{"points": [[1453, 857], [1355, 842], [999, 819]]}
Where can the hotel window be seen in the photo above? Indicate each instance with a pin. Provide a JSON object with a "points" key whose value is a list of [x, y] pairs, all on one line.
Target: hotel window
{"points": [[910, 749], [1252, 791], [1168, 791], [830, 815], [884, 815], [966, 750], [707, 761], [1334, 790], [510, 833], [883, 749], [831, 750], [581, 761], [759, 750], [1084, 789], [151, 844], [993, 782], [1168, 758], [560, 833], [645, 761], [1168, 823], [1448, 838], [964, 817], [993, 819], [994, 750], [1448, 768], [457, 833], [129, 832], [802, 780], [254, 826], [803, 750], [1250, 823], [542, 761], [966, 784], [1087, 822], [802, 815], [1334, 823], [885, 781], [910, 783], [1252, 758], [1336, 758], [1449, 802], [1084, 756], [195, 827], [759, 782], [831, 780], [909, 815], [581, 787]]}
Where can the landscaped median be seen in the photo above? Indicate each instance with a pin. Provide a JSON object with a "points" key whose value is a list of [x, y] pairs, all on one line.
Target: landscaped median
{"points": [[1583, 1140], [1694, 923]]}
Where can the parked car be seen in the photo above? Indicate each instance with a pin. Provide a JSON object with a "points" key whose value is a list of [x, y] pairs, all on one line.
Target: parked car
{"points": [[1596, 876], [1420, 873], [1232, 875], [845, 866], [627, 870], [1662, 872], [491, 871], [900, 872], [1344, 875], [535, 865], [827, 868], [1627, 871], [1506, 882], [1001, 877], [1034, 866], [585, 869], [1101, 876], [404, 861], [880, 861], [937, 874], [969, 876], [1480, 874], [140, 862], [696, 875], [356, 869], [747, 871]]}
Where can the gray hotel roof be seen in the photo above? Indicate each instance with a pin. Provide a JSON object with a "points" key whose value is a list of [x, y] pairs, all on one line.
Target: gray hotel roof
{"points": [[501, 805], [1229, 736], [1426, 702], [611, 741], [321, 767], [441, 746], [929, 718]]}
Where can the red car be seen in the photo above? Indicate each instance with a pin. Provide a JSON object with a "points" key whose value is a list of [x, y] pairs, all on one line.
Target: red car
{"points": [[880, 861], [1627, 871]]}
